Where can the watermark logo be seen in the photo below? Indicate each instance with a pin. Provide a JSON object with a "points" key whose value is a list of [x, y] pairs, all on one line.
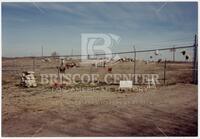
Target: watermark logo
{"points": [[92, 82], [126, 79], [94, 44]]}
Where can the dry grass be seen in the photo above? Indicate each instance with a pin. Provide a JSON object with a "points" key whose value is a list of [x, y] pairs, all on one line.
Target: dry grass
{"points": [[164, 111]]}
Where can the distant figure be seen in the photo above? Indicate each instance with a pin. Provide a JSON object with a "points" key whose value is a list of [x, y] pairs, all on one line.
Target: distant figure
{"points": [[62, 66], [61, 69]]}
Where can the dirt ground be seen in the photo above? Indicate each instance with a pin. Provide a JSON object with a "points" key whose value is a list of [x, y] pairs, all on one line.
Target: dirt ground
{"points": [[163, 111]]}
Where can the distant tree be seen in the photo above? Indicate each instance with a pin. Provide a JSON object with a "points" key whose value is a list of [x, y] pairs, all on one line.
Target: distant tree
{"points": [[54, 54]]}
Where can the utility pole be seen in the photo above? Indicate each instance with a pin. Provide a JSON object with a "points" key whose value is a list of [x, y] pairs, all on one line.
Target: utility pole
{"points": [[195, 62], [42, 50], [72, 52]]}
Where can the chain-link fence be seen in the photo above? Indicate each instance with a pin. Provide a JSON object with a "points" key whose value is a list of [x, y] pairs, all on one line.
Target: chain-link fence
{"points": [[173, 65]]}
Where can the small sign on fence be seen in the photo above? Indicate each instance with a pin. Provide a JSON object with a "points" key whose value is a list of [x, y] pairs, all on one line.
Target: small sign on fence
{"points": [[126, 84]]}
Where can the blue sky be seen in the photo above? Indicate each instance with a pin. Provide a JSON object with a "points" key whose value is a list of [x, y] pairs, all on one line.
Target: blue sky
{"points": [[58, 26]]}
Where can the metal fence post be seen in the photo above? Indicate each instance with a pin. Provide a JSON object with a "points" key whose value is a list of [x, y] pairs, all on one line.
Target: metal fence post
{"points": [[33, 63], [195, 62], [165, 65], [134, 70], [174, 50]]}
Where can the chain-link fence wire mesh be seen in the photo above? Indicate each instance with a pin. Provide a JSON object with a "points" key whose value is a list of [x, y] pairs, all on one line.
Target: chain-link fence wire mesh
{"points": [[179, 66]]}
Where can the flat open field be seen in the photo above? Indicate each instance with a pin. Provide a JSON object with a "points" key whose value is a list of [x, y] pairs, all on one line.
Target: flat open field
{"points": [[169, 110]]}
